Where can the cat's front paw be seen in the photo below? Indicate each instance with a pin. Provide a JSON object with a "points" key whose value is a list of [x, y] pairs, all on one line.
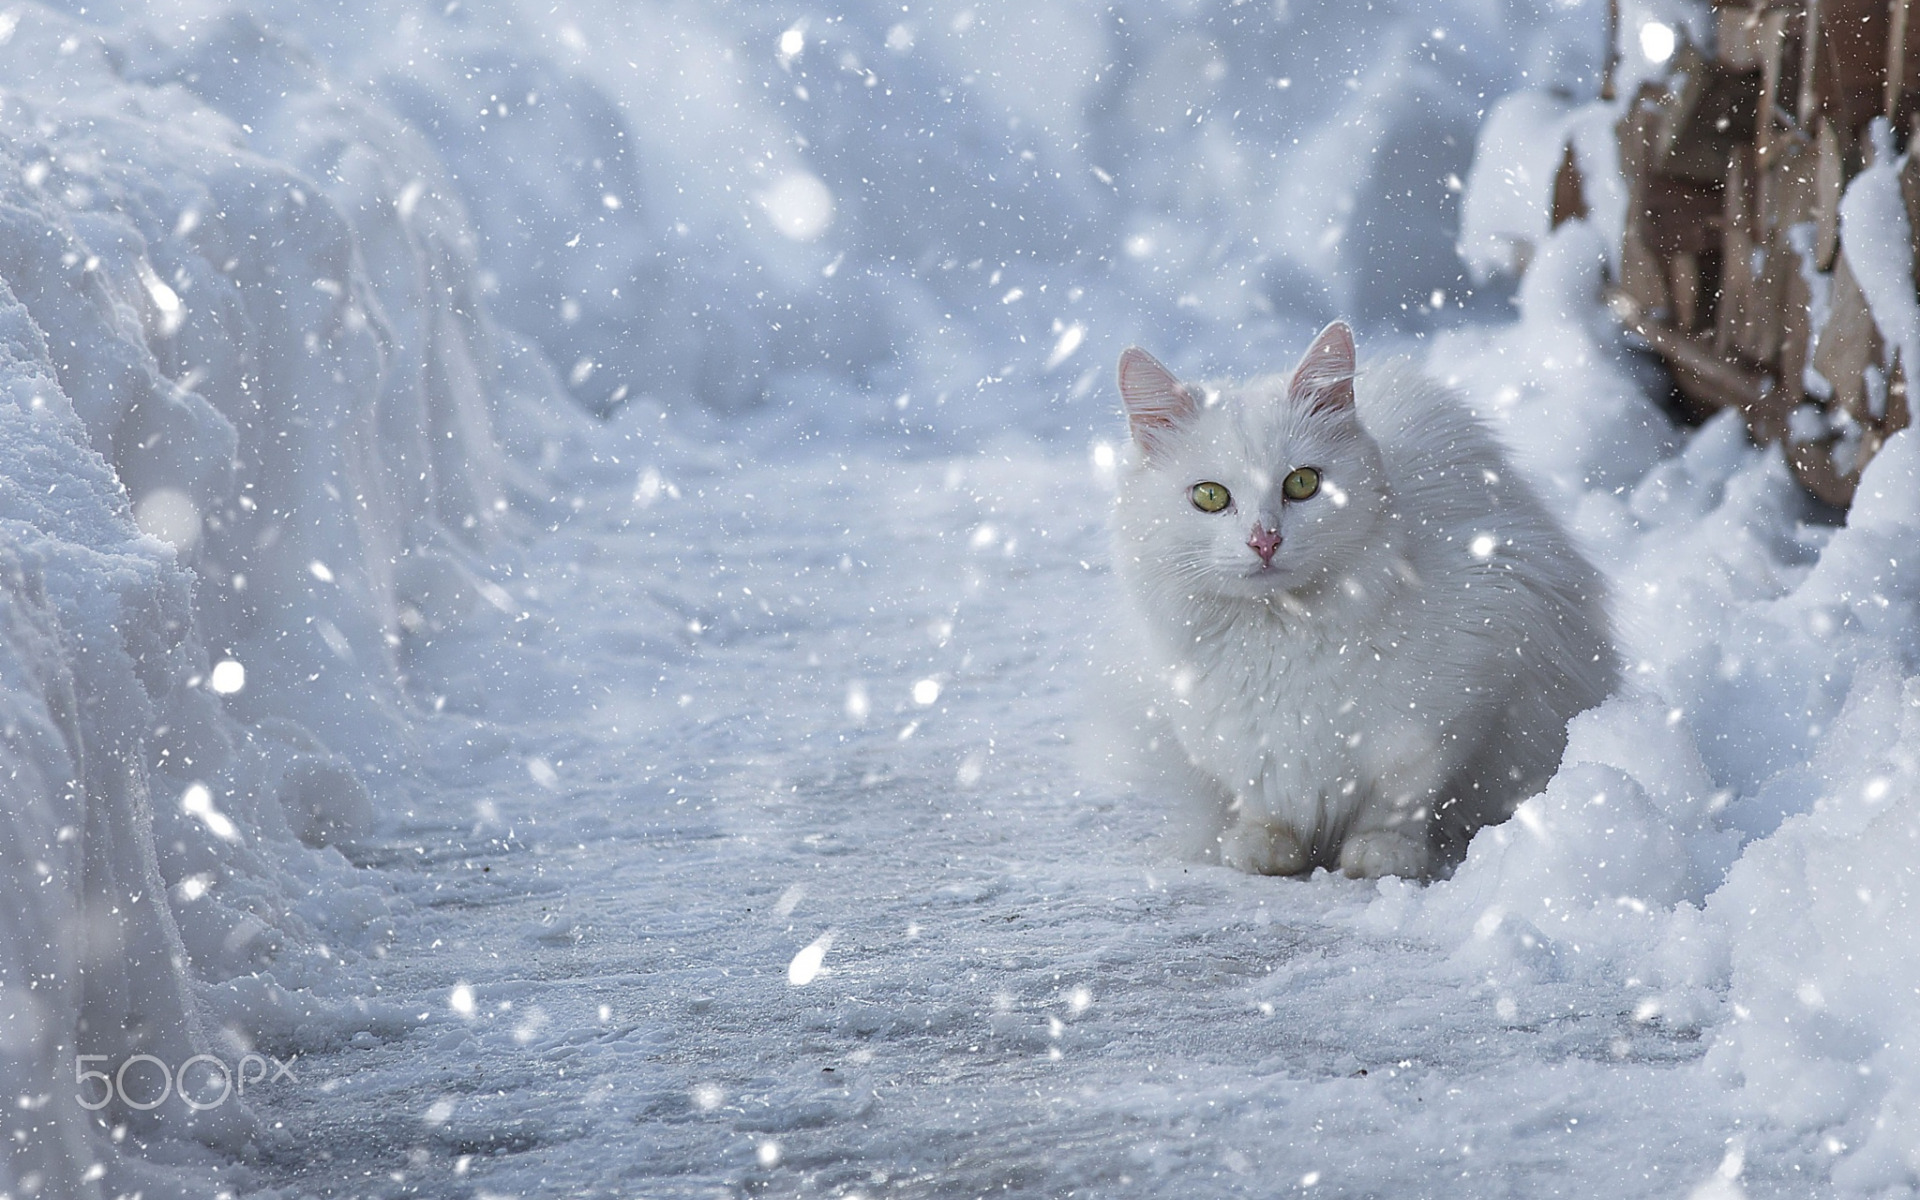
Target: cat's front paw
{"points": [[1380, 852], [1262, 848]]}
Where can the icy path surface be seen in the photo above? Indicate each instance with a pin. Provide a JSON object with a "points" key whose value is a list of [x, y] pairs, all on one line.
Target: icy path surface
{"points": [[718, 759]]}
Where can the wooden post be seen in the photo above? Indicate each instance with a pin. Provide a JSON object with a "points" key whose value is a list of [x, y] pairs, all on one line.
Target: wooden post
{"points": [[1613, 50], [1896, 60], [1736, 259], [1829, 181], [1809, 64], [1569, 190], [1773, 53]]}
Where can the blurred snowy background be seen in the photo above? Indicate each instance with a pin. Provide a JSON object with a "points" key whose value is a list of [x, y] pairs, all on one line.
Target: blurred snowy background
{"points": [[547, 554]]}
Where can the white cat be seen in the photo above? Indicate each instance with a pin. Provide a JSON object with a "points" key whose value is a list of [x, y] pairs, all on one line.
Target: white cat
{"points": [[1358, 624]]}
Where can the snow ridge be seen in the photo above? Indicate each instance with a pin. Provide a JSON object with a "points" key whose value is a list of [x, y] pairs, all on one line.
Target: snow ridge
{"points": [[247, 404]]}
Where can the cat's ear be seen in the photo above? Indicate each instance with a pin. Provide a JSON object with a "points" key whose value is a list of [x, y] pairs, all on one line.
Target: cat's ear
{"points": [[1324, 378], [1157, 403]]}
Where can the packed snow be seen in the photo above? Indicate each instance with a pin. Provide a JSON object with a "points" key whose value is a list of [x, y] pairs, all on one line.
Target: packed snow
{"points": [[550, 559]]}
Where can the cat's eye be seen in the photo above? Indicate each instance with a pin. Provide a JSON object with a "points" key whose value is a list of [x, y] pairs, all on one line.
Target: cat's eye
{"points": [[1300, 484], [1210, 497]]}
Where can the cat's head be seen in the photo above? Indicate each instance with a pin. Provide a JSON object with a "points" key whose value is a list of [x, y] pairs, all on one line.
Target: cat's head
{"points": [[1247, 491]]}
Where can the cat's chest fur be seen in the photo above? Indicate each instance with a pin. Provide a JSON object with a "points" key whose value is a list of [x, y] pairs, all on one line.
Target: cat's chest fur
{"points": [[1305, 706]]}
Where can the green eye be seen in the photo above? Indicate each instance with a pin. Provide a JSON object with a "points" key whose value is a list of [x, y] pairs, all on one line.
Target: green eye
{"points": [[1299, 484], [1210, 497]]}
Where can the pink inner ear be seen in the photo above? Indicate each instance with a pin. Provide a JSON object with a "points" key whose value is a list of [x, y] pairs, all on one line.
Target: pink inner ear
{"points": [[1324, 378], [1157, 403]]}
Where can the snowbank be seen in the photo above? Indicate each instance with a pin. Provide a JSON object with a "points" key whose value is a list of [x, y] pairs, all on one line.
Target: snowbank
{"points": [[1727, 846], [1875, 237], [1818, 917], [247, 405], [1732, 837], [95, 620]]}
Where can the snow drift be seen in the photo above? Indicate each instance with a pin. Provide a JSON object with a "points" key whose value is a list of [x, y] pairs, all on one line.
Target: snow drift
{"points": [[1727, 845], [249, 402]]}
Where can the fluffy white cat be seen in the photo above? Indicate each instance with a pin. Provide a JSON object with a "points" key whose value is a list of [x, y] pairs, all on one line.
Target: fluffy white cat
{"points": [[1356, 628]]}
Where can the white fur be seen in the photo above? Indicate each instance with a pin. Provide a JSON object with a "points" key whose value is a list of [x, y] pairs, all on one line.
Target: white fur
{"points": [[1404, 671]]}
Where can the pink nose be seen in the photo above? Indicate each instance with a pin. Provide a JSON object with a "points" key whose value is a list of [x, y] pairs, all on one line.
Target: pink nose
{"points": [[1264, 542]]}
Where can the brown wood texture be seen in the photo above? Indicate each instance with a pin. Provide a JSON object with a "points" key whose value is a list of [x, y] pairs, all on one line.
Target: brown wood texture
{"points": [[1569, 191], [1735, 165]]}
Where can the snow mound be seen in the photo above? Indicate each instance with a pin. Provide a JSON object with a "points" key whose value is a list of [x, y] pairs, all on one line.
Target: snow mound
{"points": [[94, 619], [248, 399], [1727, 845], [1818, 916], [1745, 862]]}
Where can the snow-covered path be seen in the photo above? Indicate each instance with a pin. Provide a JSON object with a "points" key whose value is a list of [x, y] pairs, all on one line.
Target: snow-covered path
{"points": [[673, 792]]}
